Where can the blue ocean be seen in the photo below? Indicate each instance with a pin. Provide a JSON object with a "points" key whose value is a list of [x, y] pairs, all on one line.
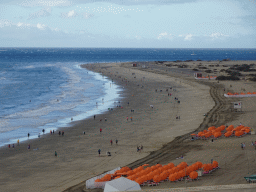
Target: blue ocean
{"points": [[42, 88]]}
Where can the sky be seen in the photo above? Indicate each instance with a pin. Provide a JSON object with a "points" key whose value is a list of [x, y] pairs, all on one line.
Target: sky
{"points": [[128, 23]]}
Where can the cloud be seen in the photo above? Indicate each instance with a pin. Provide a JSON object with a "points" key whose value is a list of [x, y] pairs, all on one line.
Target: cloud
{"points": [[138, 2], [72, 14], [48, 3], [9, 24], [52, 3], [42, 13], [23, 25], [69, 14], [188, 37], [41, 26], [5, 23], [217, 35], [165, 35]]}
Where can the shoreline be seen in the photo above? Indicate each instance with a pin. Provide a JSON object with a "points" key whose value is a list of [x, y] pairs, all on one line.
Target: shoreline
{"points": [[66, 123], [77, 162]]}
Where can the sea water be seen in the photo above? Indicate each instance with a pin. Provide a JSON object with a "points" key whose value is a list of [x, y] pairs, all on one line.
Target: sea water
{"points": [[43, 88]]}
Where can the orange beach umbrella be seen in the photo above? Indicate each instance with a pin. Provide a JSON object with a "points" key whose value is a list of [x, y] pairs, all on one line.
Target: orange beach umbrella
{"points": [[193, 175]]}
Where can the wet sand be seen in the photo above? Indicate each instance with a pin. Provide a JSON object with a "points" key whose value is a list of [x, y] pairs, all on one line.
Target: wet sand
{"points": [[164, 138]]}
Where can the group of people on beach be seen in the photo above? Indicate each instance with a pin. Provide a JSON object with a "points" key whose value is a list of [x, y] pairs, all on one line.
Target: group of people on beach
{"points": [[10, 146], [127, 118], [111, 141], [28, 147], [139, 148], [243, 145]]}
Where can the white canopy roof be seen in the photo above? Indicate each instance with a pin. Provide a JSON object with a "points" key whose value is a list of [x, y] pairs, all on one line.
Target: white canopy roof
{"points": [[121, 184]]}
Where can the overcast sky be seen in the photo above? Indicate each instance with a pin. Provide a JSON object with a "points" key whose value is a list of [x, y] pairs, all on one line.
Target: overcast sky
{"points": [[128, 23]]}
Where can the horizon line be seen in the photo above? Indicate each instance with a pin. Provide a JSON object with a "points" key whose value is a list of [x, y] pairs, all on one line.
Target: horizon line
{"points": [[126, 48]]}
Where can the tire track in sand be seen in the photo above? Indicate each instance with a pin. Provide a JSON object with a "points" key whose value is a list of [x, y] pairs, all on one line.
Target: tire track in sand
{"points": [[216, 116]]}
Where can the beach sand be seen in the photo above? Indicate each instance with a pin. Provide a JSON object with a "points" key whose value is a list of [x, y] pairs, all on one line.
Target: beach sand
{"points": [[163, 137]]}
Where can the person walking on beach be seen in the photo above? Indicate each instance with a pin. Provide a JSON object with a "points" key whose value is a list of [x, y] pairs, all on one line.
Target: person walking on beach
{"points": [[28, 146], [99, 152], [53, 131], [18, 142], [105, 119], [38, 135], [28, 135], [43, 131], [116, 141], [94, 117], [62, 133], [131, 118], [100, 130], [55, 153], [9, 146], [59, 133], [128, 103], [111, 141], [242, 145], [127, 118]]}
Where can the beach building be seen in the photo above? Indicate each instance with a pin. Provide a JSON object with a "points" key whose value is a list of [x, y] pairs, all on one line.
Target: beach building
{"points": [[197, 75]]}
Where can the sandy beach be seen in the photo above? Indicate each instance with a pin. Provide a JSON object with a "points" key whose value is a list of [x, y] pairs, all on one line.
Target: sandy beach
{"points": [[164, 138]]}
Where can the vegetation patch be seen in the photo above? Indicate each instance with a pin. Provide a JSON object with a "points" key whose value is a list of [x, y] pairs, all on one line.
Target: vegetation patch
{"points": [[208, 71], [230, 78]]}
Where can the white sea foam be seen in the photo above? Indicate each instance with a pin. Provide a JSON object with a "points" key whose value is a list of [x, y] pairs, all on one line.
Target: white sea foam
{"points": [[72, 102], [49, 65], [29, 67], [42, 111], [74, 78]]}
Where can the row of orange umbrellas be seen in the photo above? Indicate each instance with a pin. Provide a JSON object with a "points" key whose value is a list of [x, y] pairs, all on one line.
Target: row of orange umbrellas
{"points": [[239, 130], [212, 131], [158, 172], [216, 132], [242, 93]]}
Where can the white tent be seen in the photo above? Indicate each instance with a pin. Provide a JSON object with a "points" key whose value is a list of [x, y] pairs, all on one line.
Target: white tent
{"points": [[121, 184]]}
